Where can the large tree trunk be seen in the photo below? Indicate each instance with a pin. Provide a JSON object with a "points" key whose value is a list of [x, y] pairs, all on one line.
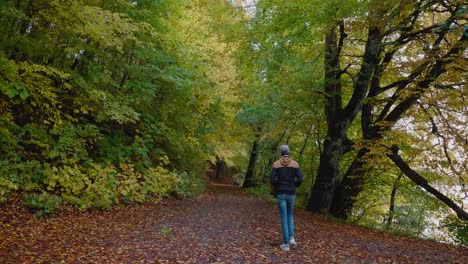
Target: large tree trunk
{"points": [[327, 177], [421, 181], [339, 118], [328, 173], [351, 185]]}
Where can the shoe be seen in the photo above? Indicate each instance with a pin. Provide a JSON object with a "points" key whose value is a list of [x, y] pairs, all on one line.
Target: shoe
{"points": [[292, 242], [285, 247]]}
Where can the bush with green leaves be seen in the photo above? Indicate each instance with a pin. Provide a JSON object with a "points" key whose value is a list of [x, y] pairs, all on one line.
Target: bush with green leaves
{"points": [[43, 204], [6, 186], [159, 182], [189, 185], [262, 190], [100, 186], [458, 229], [103, 113], [26, 176]]}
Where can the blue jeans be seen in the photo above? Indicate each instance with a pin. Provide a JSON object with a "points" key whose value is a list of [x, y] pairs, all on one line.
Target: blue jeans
{"points": [[286, 205]]}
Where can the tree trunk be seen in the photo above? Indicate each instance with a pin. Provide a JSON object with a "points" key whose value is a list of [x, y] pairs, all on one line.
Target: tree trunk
{"points": [[328, 176], [293, 127], [392, 201], [339, 119], [249, 175], [219, 167], [306, 141], [328, 173], [421, 181], [351, 185]]}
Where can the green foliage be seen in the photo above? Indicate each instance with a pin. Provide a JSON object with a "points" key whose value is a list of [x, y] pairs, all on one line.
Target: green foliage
{"points": [[458, 229], [6, 186], [27, 176], [165, 231], [159, 182], [410, 219], [263, 191], [10, 83], [100, 190], [73, 142], [103, 186], [190, 186], [111, 101], [110, 147], [43, 204]]}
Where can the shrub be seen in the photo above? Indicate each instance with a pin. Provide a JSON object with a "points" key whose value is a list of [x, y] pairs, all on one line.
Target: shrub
{"points": [[128, 184], [6, 186], [84, 187], [101, 190], [159, 182], [263, 191], [44, 204], [69, 180], [190, 186], [94, 185]]}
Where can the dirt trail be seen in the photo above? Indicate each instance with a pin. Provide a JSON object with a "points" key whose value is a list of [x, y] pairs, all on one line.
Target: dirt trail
{"points": [[224, 225]]}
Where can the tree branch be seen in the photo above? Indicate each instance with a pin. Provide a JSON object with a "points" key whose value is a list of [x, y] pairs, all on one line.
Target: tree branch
{"points": [[421, 181], [333, 103], [439, 67], [343, 35], [365, 75]]}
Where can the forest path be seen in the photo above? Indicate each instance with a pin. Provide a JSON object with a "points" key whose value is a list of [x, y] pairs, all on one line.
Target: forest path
{"points": [[225, 225]]}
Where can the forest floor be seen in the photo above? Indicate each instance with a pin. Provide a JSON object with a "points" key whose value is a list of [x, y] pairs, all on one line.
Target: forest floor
{"points": [[224, 225]]}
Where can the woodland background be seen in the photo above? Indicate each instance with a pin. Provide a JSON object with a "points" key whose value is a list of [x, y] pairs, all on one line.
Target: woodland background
{"points": [[107, 102]]}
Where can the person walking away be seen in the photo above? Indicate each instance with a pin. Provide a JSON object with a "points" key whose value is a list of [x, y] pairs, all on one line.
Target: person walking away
{"points": [[285, 177]]}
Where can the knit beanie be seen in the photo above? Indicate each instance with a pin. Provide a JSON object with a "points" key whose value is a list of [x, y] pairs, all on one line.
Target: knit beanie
{"points": [[284, 150]]}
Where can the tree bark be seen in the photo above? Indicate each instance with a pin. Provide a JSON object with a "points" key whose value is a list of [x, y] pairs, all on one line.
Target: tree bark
{"points": [[328, 172], [421, 181], [351, 185], [327, 177], [306, 141], [219, 167], [249, 175], [391, 209], [339, 119]]}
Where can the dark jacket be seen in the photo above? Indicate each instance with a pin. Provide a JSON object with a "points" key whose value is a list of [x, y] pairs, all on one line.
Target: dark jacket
{"points": [[286, 176]]}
